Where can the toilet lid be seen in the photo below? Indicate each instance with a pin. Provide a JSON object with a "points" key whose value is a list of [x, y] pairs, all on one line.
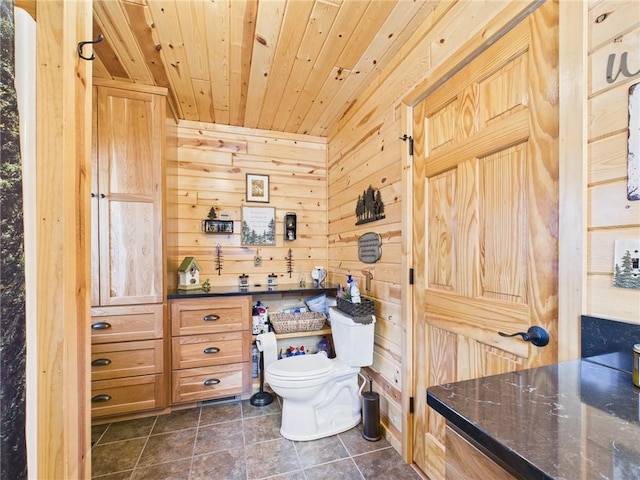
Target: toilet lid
{"points": [[307, 366]]}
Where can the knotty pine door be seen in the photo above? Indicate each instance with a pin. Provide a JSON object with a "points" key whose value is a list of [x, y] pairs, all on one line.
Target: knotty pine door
{"points": [[486, 220]]}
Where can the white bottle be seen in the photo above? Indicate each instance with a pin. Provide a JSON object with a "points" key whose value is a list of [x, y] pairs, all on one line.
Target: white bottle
{"points": [[355, 292]]}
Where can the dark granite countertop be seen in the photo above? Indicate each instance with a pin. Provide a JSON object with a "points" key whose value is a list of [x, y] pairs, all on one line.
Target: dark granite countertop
{"points": [[228, 291], [575, 419]]}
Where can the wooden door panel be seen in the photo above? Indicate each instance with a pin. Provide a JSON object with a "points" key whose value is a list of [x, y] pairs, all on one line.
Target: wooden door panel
{"points": [[510, 130], [503, 225], [503, 91], [486, 159]]}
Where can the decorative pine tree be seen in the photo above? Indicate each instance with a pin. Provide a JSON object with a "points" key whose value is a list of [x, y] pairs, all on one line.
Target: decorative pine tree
{"points": [[289, 263], [624, 276], [218, 258]]}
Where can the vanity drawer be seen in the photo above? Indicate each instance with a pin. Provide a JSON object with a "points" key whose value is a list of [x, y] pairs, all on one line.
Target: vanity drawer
{"points": [[126, 395], [191, 317], [206, 350], [126, 359], [126, 323], [197, 384]]}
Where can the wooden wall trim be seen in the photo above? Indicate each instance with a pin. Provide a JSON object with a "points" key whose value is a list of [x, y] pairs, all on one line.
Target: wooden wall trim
{"points": [[63, 106], [573, 113], [406, 123], [138, 87]]}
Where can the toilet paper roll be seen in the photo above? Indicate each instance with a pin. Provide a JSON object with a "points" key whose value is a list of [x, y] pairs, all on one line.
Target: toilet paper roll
{"points": [[267, 344]]}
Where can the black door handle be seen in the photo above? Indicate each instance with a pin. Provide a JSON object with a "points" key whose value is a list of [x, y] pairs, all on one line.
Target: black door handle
{"points": [[536, 335]]}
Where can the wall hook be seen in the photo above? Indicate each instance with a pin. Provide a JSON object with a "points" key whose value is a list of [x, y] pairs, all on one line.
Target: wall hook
{"points": [[82, 44]]}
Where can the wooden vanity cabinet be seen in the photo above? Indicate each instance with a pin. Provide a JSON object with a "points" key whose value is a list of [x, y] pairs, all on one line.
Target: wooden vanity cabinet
{"points": [[127, 243], [465, 460], [210, 348], [127, 360]]}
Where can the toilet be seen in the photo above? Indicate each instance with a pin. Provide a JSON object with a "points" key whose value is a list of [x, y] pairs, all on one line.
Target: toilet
{"points": [[321, 396]]}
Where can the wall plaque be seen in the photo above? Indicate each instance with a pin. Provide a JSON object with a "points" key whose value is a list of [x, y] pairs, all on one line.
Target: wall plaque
{"points": [[370, 247]]}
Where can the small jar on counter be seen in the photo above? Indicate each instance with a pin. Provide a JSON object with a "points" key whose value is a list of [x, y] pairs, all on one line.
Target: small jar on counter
{"points": [[636, 364]]}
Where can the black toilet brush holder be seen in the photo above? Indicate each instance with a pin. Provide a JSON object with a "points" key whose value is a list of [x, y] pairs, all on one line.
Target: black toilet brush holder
{"points": [[371, 414], [261, 398]]}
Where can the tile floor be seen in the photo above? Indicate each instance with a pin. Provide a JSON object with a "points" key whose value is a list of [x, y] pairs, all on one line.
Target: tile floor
{"points": [[235, 440]]}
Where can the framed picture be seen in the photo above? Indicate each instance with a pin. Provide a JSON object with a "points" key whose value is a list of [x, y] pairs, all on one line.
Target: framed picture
{"points": [[258, 226], [257, 188]]}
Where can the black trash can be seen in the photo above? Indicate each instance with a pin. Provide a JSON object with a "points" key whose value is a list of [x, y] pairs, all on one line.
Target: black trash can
{"points": [[371, 414]]}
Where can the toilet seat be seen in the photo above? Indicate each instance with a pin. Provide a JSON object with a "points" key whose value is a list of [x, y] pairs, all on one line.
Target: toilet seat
{"points": [[302, 367]]}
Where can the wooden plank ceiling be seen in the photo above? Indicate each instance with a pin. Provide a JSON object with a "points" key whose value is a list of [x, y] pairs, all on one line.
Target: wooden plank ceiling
{"points": [[284, 65]]}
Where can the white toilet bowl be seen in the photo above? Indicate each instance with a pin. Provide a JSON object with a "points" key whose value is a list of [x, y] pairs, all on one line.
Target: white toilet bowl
{"points": [[321, 396]]}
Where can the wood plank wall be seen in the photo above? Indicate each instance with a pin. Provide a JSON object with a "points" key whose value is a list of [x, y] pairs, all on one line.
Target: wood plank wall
{"points": [[365, 149], [614, 29], [206, 167]]}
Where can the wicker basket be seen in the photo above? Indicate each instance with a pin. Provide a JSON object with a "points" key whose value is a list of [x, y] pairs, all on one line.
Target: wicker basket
{"points": [[356, 309], [297, 322]]}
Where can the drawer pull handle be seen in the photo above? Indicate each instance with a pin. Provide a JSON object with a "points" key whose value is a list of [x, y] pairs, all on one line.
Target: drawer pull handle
{"points": [[211, 381], [100, 362], [104, 397], [212, 317], [209, 350], [101, 325]]}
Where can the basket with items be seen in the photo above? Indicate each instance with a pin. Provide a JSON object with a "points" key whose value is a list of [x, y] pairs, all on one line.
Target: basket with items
{"points": [[297, 322], [351, 302], [365, 307]]}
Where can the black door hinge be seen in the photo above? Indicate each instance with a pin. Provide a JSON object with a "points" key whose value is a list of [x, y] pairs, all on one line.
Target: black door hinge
{"points": [[411, 276], [406, 137], [410, 404]]}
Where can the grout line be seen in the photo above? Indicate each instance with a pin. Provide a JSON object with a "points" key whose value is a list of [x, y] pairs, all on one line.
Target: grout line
{"points": [[144, 446], [195, 441]]}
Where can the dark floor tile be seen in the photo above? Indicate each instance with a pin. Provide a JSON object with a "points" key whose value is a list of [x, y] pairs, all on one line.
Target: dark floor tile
{"points": [[260, 429], [178, 470], [178, 420], [356, 444], [274, 457], [249, 410], [140, 427], [385, 463], [96, 432], [223, 412], [115, 457], [167, 447], [221, 436], [320, 451], [227, 465], [339, 470]]}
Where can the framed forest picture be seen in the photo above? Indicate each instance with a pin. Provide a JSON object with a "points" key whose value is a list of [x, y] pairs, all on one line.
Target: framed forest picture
{"points": [[258, 226]]}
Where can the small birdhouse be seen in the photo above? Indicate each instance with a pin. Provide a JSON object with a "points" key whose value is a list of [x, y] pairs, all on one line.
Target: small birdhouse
{"points": [[189, 274]]}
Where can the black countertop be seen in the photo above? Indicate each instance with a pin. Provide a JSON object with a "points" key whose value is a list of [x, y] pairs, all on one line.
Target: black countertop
{"points": [[228, 291], [571, 420]]}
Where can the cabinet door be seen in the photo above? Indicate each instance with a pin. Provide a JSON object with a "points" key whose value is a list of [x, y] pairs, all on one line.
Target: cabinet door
{"points": [[463, 460], [128, 201]]}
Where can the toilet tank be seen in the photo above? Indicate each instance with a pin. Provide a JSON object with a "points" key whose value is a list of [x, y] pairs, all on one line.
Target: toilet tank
{"points": [[352, 341]]}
